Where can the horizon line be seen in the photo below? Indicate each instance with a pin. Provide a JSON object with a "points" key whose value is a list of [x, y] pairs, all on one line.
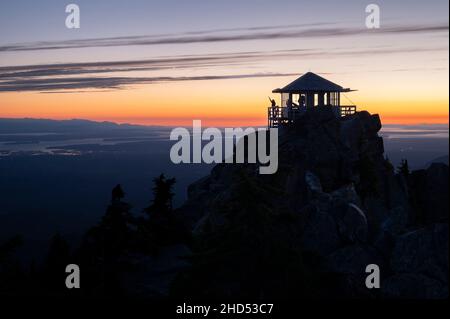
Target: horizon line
{"points": [[124, 122]]}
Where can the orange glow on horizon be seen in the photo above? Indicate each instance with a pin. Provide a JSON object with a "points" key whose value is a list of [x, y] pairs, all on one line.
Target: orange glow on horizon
{"points": [[238, 121], [225, 103]]}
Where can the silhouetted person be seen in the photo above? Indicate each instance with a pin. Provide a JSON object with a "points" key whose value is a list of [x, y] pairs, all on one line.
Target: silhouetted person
{"points": [[301, 101], [272, 102], [289, 102]]}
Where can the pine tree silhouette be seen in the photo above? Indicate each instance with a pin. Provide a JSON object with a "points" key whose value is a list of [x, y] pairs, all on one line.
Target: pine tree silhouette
{"points": [[162, 196], [161, 224], [117, 193], [11, 272], [57, 259], [369, 183], [104, 246], [403, 168]]}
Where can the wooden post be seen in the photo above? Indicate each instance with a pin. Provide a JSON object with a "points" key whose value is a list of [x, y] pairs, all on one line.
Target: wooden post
{"points": [[309, 99], [321, 98]]}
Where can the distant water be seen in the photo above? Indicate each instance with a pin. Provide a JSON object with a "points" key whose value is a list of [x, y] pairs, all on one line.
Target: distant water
{"points": [[415, 131], [41, 144]]}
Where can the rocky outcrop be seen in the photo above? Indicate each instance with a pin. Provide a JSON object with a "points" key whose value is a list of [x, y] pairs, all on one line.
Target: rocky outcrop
{"points": [[420, 263], [430, 190], [346, 207], [151, 275]]}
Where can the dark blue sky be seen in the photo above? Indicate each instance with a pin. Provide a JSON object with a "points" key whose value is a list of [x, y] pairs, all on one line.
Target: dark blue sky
{"points": [[28, 20]]}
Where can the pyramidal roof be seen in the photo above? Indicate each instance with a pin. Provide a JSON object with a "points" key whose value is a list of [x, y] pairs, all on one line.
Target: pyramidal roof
{"points": [[311, 82]]}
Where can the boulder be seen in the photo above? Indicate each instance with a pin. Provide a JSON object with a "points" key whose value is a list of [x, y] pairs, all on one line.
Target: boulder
{"points": [[319, 235], [354, 224], [151, 276], [313, 183], [423, 251], [429, 191], [397, 221], [353, 260], [413, 286]]}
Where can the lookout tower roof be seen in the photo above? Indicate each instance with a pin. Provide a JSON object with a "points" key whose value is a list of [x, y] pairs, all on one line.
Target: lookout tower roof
{"points": [[311, 82]]}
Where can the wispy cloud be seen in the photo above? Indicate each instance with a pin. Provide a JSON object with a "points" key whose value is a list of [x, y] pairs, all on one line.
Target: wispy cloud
{"points": [[77, 83], [191, 61], [97, 75], [226, 35]]}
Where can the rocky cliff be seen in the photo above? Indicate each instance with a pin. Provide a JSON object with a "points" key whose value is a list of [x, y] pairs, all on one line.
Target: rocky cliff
{"points": [[334, 206]]}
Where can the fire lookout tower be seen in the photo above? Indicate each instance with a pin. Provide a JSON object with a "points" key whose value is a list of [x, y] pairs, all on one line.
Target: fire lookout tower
{"points": [[309, 90]]}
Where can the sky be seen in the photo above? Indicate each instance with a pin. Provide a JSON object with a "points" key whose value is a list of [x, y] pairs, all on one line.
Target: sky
{"points": [[170, 62]]}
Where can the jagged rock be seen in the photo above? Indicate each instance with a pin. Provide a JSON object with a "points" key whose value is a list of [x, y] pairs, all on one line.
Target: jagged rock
{"points": [[371, 122], [349, 264], [430, 189], [313, 183], [351, 133], [336, 197], [384, 243], [413, 286], [350, 218], [353, 225], [424, 251], [320, 234], [397, 220], [315, 192], [153, 275], [346, 194], [352, 260]]}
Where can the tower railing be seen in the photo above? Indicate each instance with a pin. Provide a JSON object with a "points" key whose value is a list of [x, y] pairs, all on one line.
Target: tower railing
{"points": [[281, 115], [347, 110]]}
